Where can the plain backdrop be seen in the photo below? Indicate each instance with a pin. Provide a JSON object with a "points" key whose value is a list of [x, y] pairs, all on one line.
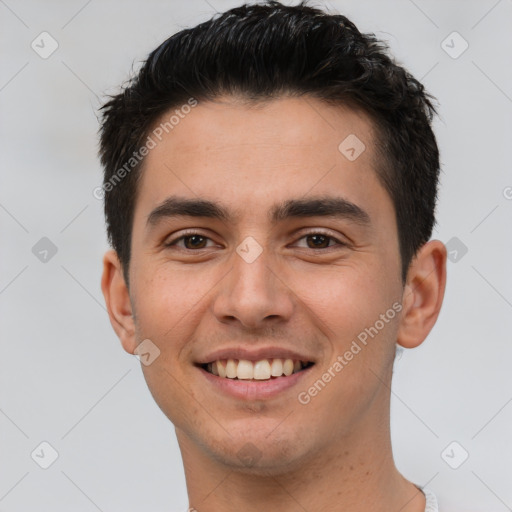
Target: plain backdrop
{"points": [[64, 378]]}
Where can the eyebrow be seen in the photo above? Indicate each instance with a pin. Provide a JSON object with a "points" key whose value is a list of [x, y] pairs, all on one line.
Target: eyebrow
{"points": [[325, 206]]}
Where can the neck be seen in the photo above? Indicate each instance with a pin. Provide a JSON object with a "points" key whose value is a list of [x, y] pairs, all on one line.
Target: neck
{"points": [[355, 473]]}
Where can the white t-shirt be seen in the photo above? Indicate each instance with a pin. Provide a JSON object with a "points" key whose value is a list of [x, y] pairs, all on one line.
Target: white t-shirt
{"points": [[431, 505]]}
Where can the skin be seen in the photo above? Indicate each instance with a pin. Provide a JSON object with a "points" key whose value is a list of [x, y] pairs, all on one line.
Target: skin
{"points": [[333, 453]]}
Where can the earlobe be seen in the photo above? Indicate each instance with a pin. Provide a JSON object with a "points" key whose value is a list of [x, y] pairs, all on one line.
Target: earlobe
{"points": [[423, 294], [117, 299]]}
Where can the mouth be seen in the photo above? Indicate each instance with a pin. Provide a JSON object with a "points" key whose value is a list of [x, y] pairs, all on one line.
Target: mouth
{"points": [[262, 370]]}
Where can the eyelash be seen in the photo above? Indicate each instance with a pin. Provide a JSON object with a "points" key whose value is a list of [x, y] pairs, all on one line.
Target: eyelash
{"points": [[188, 234]]}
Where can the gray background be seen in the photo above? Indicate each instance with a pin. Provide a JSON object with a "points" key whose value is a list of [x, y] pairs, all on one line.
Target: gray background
{"points": [[64, 377]]}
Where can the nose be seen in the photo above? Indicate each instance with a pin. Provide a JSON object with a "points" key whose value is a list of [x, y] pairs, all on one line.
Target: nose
{"points": [[254, 294]]}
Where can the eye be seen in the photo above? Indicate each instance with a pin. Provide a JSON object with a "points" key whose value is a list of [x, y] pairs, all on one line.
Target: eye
{"points": [[190, 241], [194, 241], [319, 240]]}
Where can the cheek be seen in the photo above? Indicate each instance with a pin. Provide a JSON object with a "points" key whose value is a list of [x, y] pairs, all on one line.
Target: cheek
{"points": [[168, 306], [346, 298], [168, 300], [361, 320], [356, 308]]}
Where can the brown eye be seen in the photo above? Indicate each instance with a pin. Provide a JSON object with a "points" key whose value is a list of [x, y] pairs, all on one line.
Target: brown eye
{"points": [[318, 241], [190, 242], [194, 242]]}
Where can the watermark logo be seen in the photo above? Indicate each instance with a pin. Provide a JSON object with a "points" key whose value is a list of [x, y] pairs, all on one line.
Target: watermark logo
{"points": [[146, 352], [249, 250], [44, 45], [454, 45], [455, 455], [456, 249], [352, 147], [44, 455], [249, 454], [44, 250]]}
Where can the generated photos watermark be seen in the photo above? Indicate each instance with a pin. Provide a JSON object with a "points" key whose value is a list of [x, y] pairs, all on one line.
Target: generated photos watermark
{"points": [[305, 397], [152, 141]]}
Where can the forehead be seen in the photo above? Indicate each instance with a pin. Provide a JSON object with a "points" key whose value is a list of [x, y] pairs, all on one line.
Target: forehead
{"points": [[289, 123], [250, 155]]}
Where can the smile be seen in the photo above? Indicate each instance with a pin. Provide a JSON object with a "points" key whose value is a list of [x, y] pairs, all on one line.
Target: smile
{"points": [[264, 369]]}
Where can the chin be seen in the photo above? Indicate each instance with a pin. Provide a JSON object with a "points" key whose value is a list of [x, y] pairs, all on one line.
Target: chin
{"points": [[252, 461], [261, 453]]}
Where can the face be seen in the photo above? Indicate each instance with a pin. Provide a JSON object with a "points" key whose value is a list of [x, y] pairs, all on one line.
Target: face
{"points": [[256, 238]]}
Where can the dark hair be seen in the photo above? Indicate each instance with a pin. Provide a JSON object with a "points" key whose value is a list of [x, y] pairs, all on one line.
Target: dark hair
{"points": [[265, 51]]}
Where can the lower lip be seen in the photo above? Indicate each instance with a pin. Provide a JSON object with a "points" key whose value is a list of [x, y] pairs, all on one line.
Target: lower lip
{"points": [[255, 389]]}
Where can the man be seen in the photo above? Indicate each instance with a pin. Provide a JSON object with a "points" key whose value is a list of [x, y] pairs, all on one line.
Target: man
{"points": [[270, 184]]}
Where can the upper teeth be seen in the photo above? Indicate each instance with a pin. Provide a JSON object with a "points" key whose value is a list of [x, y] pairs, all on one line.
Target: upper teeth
{"points": [[259, 370]]}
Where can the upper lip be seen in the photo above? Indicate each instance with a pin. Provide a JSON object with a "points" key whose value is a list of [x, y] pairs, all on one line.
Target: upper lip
{"points": [[254, 354]]}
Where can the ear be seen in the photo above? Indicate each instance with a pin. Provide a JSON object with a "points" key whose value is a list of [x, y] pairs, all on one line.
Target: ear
{"points": [[118, 302], [423, 294]]}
